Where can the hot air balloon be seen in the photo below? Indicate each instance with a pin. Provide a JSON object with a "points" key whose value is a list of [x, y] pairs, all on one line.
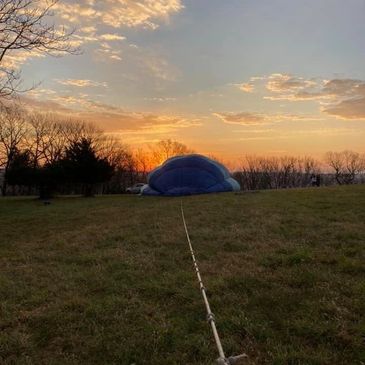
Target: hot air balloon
{"points": [[188, 175]]}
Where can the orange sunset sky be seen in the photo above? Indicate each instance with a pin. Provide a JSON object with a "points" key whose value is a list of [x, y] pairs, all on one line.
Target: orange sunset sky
{"points": [[226, 78]]}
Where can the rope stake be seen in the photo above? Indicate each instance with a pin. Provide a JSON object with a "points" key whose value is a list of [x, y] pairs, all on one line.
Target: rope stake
{"points": [[222, 360]]}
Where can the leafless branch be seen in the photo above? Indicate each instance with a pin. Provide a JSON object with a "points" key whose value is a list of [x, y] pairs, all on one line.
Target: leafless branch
{"points": [[24, 26]]}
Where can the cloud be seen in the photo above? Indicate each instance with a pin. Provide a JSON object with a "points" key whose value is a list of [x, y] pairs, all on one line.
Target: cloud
{"points": [[341, 98], [119, 13], [348, 109], [76, 12], [247, 87], [142, 61], [145, 13], [89, 16], [320, 132], [111, 37], [106, 53], [92, 21], [281, 86], [84, 35], [161, 99], [320, 90], [111, 118], [15, 59], [248, 118], [81, 83], [285, 82], [159, 67], [344, 87], [89, 29], [150, 63], [244, 118]]}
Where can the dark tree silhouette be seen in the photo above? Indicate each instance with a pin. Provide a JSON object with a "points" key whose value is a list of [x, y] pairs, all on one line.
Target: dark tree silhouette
{"points": [[83, 166], [20, 170]]}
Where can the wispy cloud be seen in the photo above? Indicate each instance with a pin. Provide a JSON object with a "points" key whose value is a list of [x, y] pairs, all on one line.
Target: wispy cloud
{"points": [[111, 118], [150, 63], [81, 83], [319, 132], [111, 37], [247, 87], [249, 118], [159, 67], [161, 99], [244, 118]]}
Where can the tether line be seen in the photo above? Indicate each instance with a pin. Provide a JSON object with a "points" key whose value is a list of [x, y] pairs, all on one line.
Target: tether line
{"points": [[222, 360]]}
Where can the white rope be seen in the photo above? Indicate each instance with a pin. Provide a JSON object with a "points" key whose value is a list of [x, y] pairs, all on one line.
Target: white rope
{"points": [[222, 360]]}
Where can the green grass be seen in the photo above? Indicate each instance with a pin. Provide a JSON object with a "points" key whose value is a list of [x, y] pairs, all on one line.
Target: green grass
{"points": [[109, 280]]}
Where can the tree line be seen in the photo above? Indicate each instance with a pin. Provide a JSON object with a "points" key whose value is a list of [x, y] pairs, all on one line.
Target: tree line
{"points": [[258, 172], [44, 154]]}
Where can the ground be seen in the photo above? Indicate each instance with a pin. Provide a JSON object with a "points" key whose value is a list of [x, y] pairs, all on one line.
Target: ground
{"points": [[109, 280]]}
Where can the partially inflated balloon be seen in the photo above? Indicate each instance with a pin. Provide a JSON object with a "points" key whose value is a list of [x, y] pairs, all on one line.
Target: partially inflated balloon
{"points": [[187, 175]]}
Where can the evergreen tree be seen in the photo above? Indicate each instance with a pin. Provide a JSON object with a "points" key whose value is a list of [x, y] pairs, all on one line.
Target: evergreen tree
{"points": [[20, 170], [82, 165]]}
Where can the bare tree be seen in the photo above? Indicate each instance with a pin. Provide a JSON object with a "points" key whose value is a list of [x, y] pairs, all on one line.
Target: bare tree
{"points": [[112, 149], [167, 148], [346, 165], [75, 130], [250, 172], [13, 129], [123, 162], [143, 162], [38, 139], [355, 164], [258, 172], [335, 161], [24, 27], [54, 140], [49, 136]]}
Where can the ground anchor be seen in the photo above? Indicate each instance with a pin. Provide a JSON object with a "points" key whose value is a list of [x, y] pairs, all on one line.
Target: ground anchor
{"points": [[232, 360]]}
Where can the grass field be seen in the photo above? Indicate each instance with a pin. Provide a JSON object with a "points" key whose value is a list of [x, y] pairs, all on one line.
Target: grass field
{"points": [[109, 280]]}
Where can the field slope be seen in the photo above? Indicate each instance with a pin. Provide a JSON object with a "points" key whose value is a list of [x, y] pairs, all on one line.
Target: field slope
{"points": [[109, 280]]}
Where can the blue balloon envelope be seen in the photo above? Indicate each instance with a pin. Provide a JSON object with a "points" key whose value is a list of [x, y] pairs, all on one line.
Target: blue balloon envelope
{"points": [[188, 175]]}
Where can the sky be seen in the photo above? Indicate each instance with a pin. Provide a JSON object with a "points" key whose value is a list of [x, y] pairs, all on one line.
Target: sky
{"points": [[227, 78]]}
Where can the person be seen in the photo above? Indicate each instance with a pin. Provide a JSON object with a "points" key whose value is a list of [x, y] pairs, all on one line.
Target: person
{"points": [[314, 180]]}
